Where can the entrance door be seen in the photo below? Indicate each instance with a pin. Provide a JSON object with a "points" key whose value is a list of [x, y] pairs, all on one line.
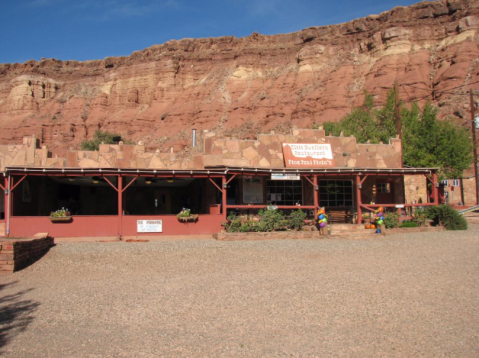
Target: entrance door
{"points": [[385, 193], [162, 201]]}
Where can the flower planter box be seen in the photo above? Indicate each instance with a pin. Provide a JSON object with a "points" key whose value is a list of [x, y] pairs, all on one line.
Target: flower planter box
{"points": [[190, 218], [59, 219]]}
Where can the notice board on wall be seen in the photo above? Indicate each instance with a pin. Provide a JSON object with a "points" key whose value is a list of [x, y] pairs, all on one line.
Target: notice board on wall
{"points": [[308, 155], [149, 226], [252, 190]]}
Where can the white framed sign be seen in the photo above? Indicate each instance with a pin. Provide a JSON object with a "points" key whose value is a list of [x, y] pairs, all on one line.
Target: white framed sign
{"points": [[285, 176], [308, 155], [149, 225]]}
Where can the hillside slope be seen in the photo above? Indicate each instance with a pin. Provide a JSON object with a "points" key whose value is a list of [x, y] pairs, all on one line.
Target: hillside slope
{"points": [[237, 86]]}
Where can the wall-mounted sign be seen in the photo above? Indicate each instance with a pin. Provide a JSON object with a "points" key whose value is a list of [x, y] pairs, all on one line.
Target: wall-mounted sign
{"points": [[252, 190], [285, 176], [308, 155], [149, 226]]}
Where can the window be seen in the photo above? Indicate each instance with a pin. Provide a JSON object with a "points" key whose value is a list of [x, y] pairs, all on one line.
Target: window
{"points": [[445, 182], [384, 188], [456, 182], [284, 192], [336, 193]]}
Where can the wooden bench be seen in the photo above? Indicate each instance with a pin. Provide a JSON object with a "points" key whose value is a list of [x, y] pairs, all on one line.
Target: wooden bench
{"points": [[341, 216]]}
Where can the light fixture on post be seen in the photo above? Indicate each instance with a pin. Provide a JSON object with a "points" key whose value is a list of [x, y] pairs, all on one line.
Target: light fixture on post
{"points": [[148, 181]]}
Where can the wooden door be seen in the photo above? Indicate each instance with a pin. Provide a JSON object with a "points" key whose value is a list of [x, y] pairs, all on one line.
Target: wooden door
{"points": [[162, 201]]}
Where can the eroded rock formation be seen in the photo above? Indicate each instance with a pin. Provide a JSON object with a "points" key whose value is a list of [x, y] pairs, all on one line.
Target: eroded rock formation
{"points": [[237, 85]]}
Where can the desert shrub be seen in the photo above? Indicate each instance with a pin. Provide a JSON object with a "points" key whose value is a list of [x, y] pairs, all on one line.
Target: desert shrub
{"points": [[446, 216], [296, 219], [270, 219], [233, 224], [100, 137], [409, 224], [420, 217], [391, 221]]}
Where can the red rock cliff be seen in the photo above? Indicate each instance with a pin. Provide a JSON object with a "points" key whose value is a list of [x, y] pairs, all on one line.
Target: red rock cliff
{"points": [[237, 85]]}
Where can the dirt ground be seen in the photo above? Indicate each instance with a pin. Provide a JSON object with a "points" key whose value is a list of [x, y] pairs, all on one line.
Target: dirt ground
{"points": [[414, 295]]}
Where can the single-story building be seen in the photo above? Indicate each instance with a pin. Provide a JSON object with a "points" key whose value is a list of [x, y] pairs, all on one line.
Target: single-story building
{"points": [[126, 191]]}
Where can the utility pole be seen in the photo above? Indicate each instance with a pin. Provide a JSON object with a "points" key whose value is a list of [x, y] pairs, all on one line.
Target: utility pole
{"points": [[473, 127]]}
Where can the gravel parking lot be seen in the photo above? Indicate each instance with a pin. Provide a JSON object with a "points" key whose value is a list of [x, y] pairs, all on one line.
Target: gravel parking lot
{"points": [[396, 296]]}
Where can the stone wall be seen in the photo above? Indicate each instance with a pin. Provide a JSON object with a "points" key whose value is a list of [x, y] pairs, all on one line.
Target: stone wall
{"points": [[19, 253], [415, 187], [265, 152], [28, 154]]}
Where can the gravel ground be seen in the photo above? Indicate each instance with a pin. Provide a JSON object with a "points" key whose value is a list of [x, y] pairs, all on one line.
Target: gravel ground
{"points": [[414, 295]]}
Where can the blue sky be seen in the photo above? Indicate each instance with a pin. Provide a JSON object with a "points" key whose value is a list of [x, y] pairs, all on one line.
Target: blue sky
{"points": [[95, 29]]}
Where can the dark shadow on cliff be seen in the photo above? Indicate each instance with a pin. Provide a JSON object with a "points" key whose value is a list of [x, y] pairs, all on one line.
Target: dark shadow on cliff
{"points": [[16, 313]]}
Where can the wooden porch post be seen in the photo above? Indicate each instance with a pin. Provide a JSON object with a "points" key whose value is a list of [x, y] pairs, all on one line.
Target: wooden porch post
{"points": [[316, 194], [223, 191], [358, 198], [120, 206], [3, 187], [435, 189]]}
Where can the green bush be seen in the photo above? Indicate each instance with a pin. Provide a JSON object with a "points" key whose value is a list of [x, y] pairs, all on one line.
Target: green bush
{"points": [[296, 219], [100, 137], [446, 216], [270, 219], [420, 217], [409, 224], [391, 221]]}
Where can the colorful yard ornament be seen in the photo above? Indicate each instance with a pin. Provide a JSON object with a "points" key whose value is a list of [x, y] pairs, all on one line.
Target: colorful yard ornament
{"points": [[322, 220], [379, 219]]}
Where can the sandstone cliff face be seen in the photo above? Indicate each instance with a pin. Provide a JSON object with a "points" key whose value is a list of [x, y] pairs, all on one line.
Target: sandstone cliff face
{"points": [[237, 86]]}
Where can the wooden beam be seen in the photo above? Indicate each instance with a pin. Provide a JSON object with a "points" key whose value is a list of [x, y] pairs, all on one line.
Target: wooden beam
{"points": [[310, 181], [364, 179], [131, 182], [216, 185], [230, 179], [18, 182], [111, 184]]}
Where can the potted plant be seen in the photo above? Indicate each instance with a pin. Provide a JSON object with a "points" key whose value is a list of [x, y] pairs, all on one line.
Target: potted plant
{"points": [[185, 216], [61, 215]]}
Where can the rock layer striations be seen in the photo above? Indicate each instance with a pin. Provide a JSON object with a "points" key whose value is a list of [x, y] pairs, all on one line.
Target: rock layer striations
{"points": [[236, 85]]}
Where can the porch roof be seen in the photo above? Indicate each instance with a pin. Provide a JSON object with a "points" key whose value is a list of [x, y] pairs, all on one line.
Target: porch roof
{"points": [[338, 170], [110, 171], [218, 170]]}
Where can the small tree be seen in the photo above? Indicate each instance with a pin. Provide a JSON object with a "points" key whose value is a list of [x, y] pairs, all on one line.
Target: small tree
{"points": [[99, 137], [426, 141], [429, 142]]}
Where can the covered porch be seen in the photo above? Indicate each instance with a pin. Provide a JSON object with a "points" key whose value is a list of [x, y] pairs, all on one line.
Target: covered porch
{"points": [[111, 202]]}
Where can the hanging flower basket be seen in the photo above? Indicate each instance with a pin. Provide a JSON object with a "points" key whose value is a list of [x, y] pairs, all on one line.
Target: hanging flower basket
{"points": [[63, 215], [58, 219], [189, 218]]}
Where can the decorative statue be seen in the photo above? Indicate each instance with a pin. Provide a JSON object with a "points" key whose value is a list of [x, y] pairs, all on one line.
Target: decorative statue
{"points": [[322, 220], [379, 218]]}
